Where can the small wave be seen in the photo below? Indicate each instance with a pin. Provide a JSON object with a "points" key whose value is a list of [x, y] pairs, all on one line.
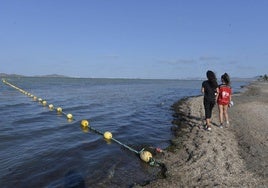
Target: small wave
{"points": [[76, 108], [31, 120], [17, 105]]}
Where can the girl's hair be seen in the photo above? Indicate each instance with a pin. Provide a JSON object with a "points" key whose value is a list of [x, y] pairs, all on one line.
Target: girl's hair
{"points": [[212, 79], [226, 79]]}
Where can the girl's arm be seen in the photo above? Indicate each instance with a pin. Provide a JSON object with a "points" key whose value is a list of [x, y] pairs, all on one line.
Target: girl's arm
{"points": [[217, 95], [231, 95]]}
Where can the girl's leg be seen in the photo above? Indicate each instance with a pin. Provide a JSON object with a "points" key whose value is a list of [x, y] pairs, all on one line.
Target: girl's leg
{"points": [[225, 112], [221, 113]]}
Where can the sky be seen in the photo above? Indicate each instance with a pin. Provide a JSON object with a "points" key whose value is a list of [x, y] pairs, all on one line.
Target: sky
{"points": [[151, 39]]}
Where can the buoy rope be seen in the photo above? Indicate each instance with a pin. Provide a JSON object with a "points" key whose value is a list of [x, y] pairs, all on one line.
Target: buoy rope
{"points": [[118, 142], [42, 101], [144, 155], [126, 146]]}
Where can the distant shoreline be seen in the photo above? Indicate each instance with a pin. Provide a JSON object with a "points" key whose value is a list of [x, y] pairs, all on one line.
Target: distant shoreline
{"points": [[5, 75]]}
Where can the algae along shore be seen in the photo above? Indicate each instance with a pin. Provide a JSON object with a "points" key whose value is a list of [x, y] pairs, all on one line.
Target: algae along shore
{"points": [[233, 156]]}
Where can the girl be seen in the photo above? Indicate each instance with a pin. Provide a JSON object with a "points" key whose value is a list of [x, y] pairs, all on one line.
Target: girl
{"points": [[224, 98], [210, 92]]}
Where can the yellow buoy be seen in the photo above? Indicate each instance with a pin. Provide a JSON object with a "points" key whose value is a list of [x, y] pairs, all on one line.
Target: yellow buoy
{"points": [[69, 116], [59, 109], [108, 135], [84, 123], [40, 100], [50, 106], [145, 156], [44, 103]]}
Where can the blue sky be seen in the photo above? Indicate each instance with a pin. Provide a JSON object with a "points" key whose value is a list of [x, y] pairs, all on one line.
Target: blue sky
{"points": [[170, 39]]}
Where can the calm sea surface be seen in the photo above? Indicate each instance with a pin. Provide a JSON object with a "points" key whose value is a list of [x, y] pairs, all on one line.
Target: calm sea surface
{"points": [[40, 148]]}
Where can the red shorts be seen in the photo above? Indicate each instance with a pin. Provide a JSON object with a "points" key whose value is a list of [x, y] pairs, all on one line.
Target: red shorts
{"points": [[220, 102]]}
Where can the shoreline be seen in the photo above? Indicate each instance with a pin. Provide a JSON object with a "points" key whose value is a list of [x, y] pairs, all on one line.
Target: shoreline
{"points": [[235, 156]]}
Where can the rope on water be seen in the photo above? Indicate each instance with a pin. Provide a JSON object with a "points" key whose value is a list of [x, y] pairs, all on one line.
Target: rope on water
{"points": [[144, 155], [126, 146], [42, 101]]}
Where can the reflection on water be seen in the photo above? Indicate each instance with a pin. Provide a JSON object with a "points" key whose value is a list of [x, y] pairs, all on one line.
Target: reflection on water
{"points": [[73, 179]]}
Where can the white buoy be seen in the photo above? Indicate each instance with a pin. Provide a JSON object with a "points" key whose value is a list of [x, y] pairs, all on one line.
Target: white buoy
{"points": [[146, 156], [51, 106]]}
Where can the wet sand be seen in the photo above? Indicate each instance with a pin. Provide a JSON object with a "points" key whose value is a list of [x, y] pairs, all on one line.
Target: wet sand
{"points": [[235, 156]]}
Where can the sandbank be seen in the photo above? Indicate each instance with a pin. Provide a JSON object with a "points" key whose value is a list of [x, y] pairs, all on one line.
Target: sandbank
{"points": [[233, 156]]}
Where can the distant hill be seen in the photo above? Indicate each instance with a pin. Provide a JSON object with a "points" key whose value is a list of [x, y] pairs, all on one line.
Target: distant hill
{"points": [[18, 75], [51, 76], [10, 75]]}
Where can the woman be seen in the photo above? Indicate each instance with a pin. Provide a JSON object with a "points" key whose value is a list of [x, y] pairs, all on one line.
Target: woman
{"points": [[224, 98], [210, 92]]}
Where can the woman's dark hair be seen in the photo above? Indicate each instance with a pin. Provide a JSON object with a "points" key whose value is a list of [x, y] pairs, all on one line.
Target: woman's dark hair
{"points": [[225, 77], [212, 79]]}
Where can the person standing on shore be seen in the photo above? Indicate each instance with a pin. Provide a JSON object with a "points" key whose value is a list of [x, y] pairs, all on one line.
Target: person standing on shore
{"points": [[210, 92], [224, 99]]}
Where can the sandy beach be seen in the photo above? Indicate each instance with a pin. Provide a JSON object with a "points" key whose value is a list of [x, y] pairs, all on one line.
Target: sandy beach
{"points": [[233, 156]]}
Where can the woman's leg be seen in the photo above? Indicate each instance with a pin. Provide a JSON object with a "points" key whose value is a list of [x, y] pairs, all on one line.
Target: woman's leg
{"points": [[207, 112], [209, 109], [208, 122]]}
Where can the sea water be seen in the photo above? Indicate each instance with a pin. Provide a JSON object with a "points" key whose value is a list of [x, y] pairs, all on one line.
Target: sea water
{"points": [[41, 148]]}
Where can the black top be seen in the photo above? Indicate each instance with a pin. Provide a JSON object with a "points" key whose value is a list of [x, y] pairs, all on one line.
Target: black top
{"points": [[210, 91]]}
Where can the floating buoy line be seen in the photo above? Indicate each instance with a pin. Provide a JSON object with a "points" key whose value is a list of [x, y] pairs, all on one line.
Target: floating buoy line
{"points": [[144, 155]]}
